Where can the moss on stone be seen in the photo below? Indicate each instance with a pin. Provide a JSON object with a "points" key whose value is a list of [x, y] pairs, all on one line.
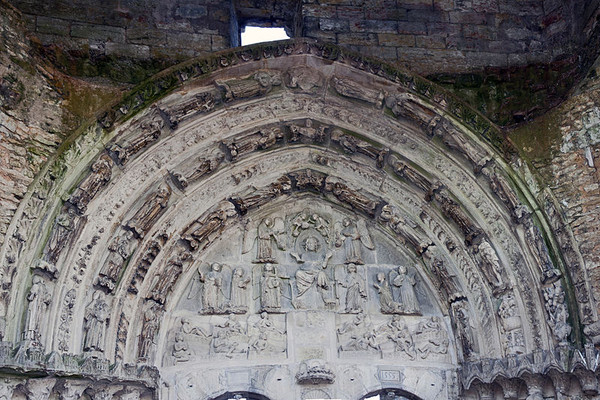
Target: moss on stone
{"points": [[536, 140]]}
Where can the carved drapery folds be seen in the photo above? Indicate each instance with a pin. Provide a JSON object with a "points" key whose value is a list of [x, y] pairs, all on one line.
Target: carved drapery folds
{"points": [[150, 211]]}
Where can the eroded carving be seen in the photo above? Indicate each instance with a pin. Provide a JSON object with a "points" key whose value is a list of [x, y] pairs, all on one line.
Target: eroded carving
{"points": [[308, 80], [163, 283], [38, 298], [511, 324], [355, 287], [96, 319], [558, 313], [66, 222], [207, 228], [404, 279], [352, 145], [350, 235], [150, 325], [261, 140], [92, 184], [258, 197], [204, 167], [353, 198], [307, 133], [271, 289], [119, 251], [353, 90], [314, 372], [259, 84], [150, 211]]}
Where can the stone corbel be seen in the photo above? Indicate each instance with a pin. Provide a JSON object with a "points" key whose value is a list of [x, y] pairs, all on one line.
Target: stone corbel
{"points": [[587, 380], [510, 387], [535, 386]]}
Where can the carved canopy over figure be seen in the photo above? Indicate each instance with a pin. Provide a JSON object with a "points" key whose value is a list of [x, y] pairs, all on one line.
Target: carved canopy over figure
{"points": [[351, 235], [149, 212], [39, 298], [96, 317]]}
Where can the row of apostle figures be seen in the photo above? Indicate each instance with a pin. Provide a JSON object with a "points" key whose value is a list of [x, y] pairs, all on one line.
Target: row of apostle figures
{"points": [[223, 290]]}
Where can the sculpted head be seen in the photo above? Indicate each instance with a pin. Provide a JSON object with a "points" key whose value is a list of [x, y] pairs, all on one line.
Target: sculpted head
{"points": [[216, 267], [380, 277], [351, 268], [311, 244]]}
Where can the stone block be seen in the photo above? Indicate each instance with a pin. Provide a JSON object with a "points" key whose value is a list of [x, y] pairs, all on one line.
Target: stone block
{"points": [[358, 39], [445, 5], [219, 14], [320, 11], [52, 26], [507, 46], [521, 7], [350, 12], [465, 17], [393, 40], [430, 42], [385, 10], [462, 43], [436, 28], [427, 15], [386, 53], [412, 28], [184, 40], [143, 35], [219, 42], [482, 59], [334, 25], [128, 50], [521, 34], [98, 32], [417, 3], [374, 26], [481, 32], [191, 10]]}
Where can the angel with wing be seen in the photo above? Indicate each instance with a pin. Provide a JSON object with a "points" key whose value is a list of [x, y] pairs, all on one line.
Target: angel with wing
{"points": [[269, 230], [350, 235]]}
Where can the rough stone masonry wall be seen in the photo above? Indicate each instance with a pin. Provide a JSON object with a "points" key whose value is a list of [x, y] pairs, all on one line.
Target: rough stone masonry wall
{"points": [[426, 35]]}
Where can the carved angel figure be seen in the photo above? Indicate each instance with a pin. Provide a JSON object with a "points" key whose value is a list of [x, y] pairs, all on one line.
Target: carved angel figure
{"points": [[39, 298], [351, 235], [149, 212], [269, 230], [405, 281], [96, 317]]}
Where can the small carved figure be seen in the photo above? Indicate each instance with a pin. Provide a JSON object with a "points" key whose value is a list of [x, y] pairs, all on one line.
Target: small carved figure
{"points": [[351, 235], [119, 252], [308, 80], [263, 139], [403, 340], [386, 300], [357, 335], [355, 290], [229, 337], [271, 289], [307, 132], [239, 284], [151, 131], [314, 372], [96, 318], [405, 171], [353, 198], [268, 338], [511, 325], [163, 283], [270, 229], [150, 327], [312, 283], [490, 265], [431, 337], [453, 211], [63, 227], [39, 299], [259, 197], [406, 282], [354, 90], [188, 329], [464, 330], [91, 185], [307, 220], [556, 307], [205, 166], [206, 229], [261, 83], [181, 351], [212, 293], [149, 212]]}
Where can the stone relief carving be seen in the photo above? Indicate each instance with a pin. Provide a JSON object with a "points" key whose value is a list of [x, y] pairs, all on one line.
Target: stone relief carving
{"points": [[229, 338], [204, 166], [404, 227], [350, 235], [463, 327], [307, 133], [38, 298], [355, 288], [150, 325], [259, 84], [501, 187], [308, 80], [150, 211], [66, 222], [66, 317], [539, 250], [207, 228], [315, 372], [181, 350], [197, 103], [258, 197], [351, 145], [512, 325], [119, 251], [142, 266], [358, 334], [267, 336], [309, 220], [270, 231], [353, 90], [271, 289], [353, 198], [309, 179], [554, 297], [405, 171], [95, 322], [92, 184], [163, 283], [432, 337], [404, 279], [261, 140], [239, 286], [213, 297], [386, 299], [453, 211], [151, 131], [490, 266]]}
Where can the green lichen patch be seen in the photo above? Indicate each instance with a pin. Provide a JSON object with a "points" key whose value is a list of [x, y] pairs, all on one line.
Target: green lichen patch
{"points": [[536, 141]]}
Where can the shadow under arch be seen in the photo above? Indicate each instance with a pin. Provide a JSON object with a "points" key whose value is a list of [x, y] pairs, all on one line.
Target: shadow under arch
{"points": [[390, 394], [240, 396]]}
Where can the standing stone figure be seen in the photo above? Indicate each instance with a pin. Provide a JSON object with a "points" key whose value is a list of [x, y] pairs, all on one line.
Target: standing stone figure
{"points": [[351, 235], [212, 294], [39, 299], [96, 317], [63, 227], [490, 265], [149, 211], [119, 251], [269, 230], [408, 298], [386, 301], [149, 331], [239, 284], [355, 290], [270, 289]]}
